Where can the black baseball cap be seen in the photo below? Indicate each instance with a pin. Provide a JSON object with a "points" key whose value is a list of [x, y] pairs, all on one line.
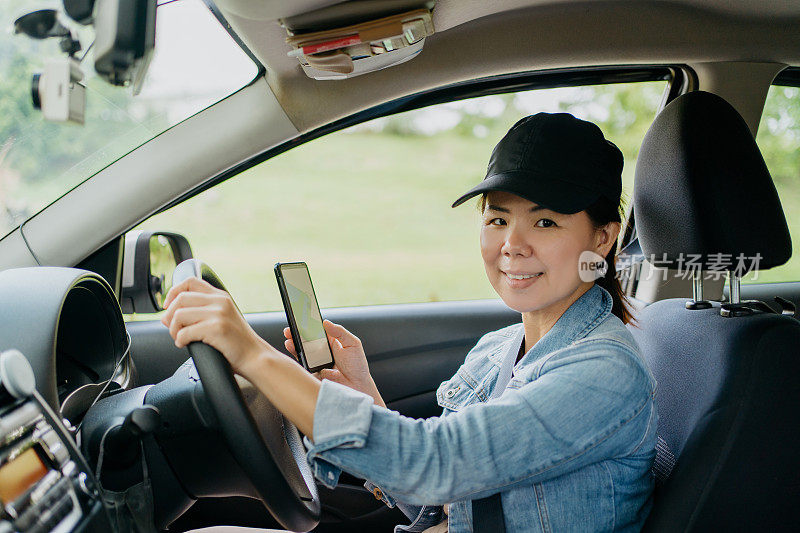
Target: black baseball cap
{"points": [[554, 160]]}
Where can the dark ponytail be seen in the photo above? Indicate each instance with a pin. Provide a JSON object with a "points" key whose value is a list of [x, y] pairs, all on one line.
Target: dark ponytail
{"points": [[601, 213]]}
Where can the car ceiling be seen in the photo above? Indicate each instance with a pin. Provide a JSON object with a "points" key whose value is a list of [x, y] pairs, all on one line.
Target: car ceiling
{"points": [[476, 38]]}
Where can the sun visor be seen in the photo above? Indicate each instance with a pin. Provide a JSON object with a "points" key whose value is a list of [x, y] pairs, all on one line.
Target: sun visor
{"points": [[354, 38]]}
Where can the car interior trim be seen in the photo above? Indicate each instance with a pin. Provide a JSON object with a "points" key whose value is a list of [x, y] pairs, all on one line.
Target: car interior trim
{"points": [[235, 36], [790, 76], [742, 84], [139, 184], [657, 31]]}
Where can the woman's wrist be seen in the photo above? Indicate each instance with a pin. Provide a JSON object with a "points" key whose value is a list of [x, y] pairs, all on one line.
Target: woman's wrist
{"points": [[256, 360], [289, 388]]}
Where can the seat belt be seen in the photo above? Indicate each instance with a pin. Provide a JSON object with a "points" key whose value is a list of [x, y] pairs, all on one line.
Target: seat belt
{"points": [[487, 513], [664, 462]]}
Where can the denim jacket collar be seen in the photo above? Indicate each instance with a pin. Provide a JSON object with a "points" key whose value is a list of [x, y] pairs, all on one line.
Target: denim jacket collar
{"points": [[577, 321]]}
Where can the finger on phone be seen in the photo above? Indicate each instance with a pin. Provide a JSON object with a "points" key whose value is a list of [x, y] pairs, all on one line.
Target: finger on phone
{"points": [[341, 333], [287, 333], [289, 344], [335, 343], [332, 328]]}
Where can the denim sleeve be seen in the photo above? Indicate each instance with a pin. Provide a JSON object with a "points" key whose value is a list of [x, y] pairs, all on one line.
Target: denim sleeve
{"points": [[342, 419], [590, 402]]}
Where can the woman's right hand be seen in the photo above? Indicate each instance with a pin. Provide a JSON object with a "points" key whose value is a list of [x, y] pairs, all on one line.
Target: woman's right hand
{"points": [[350, 362]]}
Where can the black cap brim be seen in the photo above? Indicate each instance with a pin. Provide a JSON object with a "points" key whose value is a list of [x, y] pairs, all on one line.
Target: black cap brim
{"points": [[557, 195]]}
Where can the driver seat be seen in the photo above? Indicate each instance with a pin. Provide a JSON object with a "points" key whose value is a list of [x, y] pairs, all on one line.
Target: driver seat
{"points": [[728, 374]]}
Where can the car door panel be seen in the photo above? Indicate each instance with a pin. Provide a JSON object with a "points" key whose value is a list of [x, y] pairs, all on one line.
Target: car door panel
{"points": [[411, 348]]}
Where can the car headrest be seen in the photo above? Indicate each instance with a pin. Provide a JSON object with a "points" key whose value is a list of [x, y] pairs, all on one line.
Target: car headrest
{"points": [[702, 189]]}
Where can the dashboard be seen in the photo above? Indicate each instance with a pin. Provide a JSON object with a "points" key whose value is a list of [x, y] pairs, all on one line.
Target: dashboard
{"points": [[82, 434], [45, 484], [69, 325], [65, 326]]}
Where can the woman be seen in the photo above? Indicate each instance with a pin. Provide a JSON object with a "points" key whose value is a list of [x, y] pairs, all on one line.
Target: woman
{"points": [[555, 414]]}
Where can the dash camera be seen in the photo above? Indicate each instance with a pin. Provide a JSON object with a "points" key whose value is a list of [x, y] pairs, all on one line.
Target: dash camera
{"points": [[59, 92]]}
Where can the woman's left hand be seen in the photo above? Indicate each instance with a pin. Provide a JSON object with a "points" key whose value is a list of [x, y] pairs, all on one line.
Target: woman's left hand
{"points": [[196, 311]]}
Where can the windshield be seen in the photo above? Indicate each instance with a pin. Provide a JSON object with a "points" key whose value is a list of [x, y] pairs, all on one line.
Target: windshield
{"points": [[196, 63]]}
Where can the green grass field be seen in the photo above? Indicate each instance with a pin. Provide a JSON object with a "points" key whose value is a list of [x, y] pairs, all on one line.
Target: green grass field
{"points": [[370, 214]]}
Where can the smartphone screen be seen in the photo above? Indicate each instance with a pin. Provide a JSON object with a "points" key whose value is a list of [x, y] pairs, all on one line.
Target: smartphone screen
{"points": [[303, 315]]}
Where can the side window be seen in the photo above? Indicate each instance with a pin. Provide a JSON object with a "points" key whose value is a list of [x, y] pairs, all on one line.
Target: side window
{"points": [[779, 140], [368, 208]]}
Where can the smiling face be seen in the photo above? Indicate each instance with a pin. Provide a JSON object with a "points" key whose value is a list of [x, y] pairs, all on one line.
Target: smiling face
{"points": [[531, 253]]}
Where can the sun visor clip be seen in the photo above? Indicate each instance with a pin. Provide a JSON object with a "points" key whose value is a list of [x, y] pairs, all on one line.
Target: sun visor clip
{"points": [[355, 49]]}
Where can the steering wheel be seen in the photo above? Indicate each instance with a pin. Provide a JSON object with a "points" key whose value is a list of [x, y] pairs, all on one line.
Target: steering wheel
{"points": [[274, 457]]}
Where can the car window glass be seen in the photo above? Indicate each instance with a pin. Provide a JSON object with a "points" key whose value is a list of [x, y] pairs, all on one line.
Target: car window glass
{"points": [[368, 207], [779, 140], [195, 63]]}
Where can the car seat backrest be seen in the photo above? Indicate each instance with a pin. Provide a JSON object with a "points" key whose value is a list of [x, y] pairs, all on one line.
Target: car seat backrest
{"points": [[728, 393], [728, 399]]}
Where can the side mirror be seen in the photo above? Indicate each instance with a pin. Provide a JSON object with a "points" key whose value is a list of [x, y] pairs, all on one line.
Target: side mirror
{"points": [[149, 259]]}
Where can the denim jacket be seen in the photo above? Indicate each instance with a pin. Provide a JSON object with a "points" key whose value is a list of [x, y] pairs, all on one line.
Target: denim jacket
{"points": [[569, 443]]}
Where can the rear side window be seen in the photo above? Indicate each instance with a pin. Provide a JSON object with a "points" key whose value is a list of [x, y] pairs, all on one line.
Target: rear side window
{"points": [[368, 207], [779, 140]]}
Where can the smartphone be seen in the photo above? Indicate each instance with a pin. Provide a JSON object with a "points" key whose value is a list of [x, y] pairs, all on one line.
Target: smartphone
{"points": [[302, 313]]}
